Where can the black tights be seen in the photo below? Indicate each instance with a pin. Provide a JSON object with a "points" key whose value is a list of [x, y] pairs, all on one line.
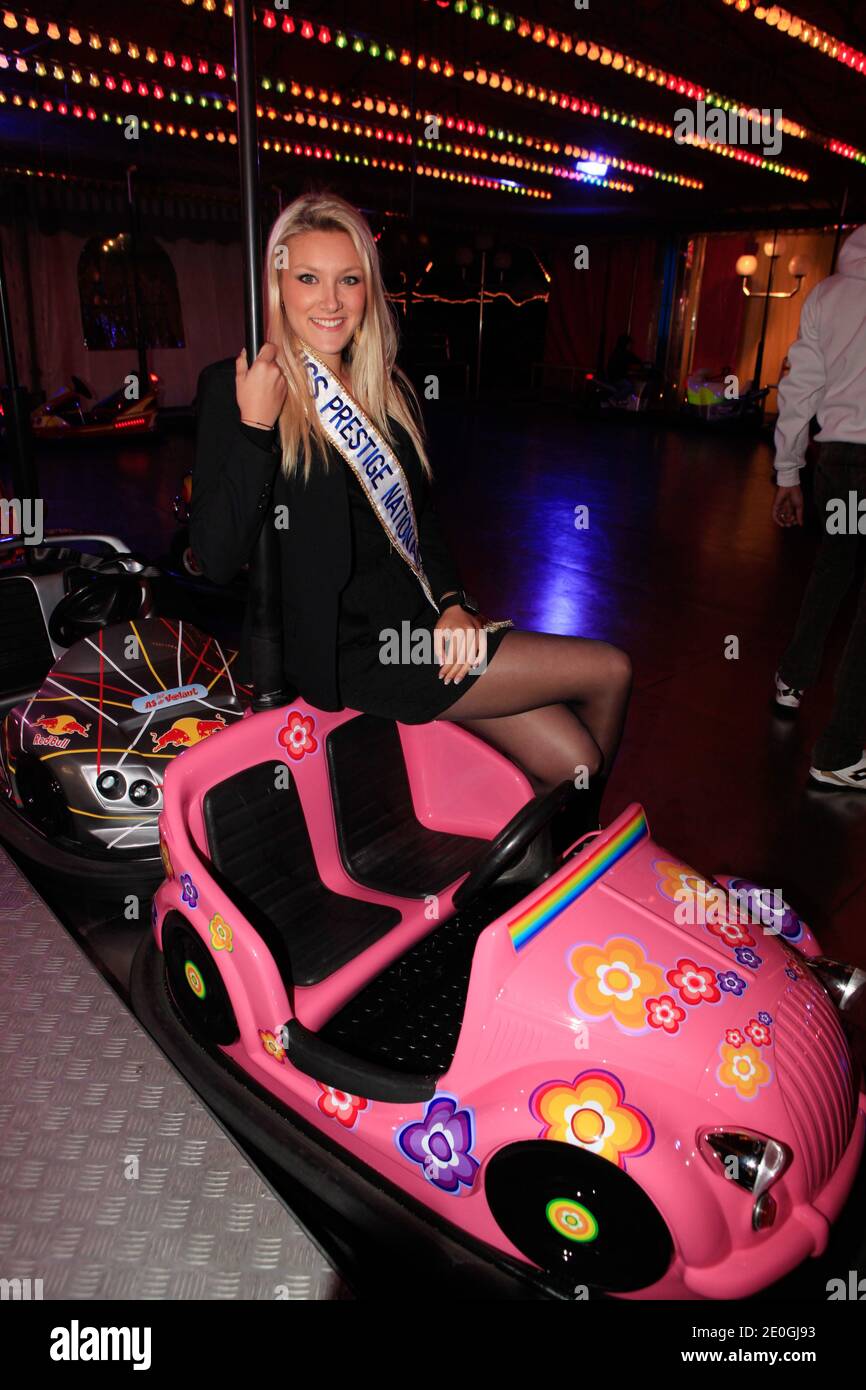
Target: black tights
{"points": [[552, 704]]}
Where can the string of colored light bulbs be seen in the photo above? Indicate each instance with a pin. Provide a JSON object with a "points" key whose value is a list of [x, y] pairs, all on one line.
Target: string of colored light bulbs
{"points": [[796, 28], [580, 47], [593, 51], [517, 87], [203, 67], [307, 151], [307, 30], [78, 75]]}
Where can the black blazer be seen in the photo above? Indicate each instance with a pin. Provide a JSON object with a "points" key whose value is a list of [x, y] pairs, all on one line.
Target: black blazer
{"points": [[237, 482]]}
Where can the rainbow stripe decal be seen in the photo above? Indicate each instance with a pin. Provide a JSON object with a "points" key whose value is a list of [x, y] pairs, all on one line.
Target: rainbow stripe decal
{"points": [[527, 926]]}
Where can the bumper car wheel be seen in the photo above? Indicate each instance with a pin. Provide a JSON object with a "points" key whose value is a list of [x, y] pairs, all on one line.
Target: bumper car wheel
{"points": [[580, 1217], [195, 985]]}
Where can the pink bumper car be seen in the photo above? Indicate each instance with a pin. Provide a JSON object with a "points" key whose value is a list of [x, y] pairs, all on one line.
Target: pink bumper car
{"points": [[600, 1065]]}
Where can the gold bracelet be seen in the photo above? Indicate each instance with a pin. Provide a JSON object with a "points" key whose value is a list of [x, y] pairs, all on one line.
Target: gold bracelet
{"points": [[258, 424]]}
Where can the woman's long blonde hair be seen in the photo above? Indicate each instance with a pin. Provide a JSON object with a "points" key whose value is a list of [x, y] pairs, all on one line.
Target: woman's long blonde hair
{"points": [[378, 384]]}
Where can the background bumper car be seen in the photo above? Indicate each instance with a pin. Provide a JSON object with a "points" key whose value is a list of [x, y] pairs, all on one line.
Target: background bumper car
{"points": [[98, 694]]}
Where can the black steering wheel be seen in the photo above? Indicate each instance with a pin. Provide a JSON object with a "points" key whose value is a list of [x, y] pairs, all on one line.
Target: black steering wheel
{"points": [[513, 841], [108, 593]]}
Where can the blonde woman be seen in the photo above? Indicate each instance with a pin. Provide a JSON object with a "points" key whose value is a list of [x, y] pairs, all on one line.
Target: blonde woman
{"points": [[325, 428]]}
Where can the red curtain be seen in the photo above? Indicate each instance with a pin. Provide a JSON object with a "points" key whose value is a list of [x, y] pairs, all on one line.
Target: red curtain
{"points": [[619, 292], [722, 303]]}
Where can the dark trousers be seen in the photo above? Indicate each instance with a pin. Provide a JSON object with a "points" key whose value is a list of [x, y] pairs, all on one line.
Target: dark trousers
{"points": [[840, 471]]}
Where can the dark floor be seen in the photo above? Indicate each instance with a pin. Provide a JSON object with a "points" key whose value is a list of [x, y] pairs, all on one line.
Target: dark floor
{"points": [[679, 556]]}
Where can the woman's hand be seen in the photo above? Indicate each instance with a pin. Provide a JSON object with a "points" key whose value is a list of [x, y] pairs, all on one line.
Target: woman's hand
{"points": [[788, 506], [261, 388], [462, 642]]}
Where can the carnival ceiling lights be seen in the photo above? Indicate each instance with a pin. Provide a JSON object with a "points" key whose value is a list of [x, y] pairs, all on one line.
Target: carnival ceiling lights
{"points": [[352, 128], [301, 150], [795, 28], [521, 28]]}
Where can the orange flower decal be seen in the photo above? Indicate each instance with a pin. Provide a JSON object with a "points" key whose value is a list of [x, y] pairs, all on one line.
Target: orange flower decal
{"points": [[743, 1069], [220, 933], [683, 884], [615, 981], [591, 1113], [272, 1045], [166, 858]]}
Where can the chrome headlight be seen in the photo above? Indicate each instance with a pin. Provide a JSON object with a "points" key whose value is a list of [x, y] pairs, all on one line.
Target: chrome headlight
{"points": [[844, 983], [750, 1160]]}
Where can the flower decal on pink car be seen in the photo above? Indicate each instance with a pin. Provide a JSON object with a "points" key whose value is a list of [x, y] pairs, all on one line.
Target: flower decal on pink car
{"points": [[614, 981], [272, 1045], [743, 1069], [696, 984], [731, 982], [440, 1144], [591, 1112], [189, 892], [746, 956], [758, 1033], [663, 1013], [680, 884], [166, 858], [221, 935], [296, 735], [764, 905], [732, 933], [340, 1105]]}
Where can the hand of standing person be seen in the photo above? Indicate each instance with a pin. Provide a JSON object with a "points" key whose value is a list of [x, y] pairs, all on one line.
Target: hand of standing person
{"points": [[788, 506]]}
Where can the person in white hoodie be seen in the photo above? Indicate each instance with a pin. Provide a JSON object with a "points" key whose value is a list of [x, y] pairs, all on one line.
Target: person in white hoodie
{"points": [[827, 379]]}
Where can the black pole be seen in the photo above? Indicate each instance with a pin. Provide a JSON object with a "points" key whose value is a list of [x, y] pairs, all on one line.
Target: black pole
{"points": [[759, 361], [838, 237], [137, 314], [264, 606], [24, 480]]}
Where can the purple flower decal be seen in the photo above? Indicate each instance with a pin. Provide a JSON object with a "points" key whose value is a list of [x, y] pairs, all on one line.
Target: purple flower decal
{"points": [[153, 912], [768, 907], [440, 1144], [732, 982], [189, 893], [791, 973], [765, 1018], [746, 956]]}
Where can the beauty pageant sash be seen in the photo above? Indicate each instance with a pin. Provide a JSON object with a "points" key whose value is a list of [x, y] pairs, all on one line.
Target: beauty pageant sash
{"points": [[372, 461]]}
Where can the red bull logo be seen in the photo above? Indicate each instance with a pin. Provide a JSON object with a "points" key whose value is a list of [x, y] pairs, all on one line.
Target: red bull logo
{"points": [[185, 732], [61, 724], [55, 730]]}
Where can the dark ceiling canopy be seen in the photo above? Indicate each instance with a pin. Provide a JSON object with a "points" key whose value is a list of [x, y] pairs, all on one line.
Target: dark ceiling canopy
{"points": [[495, 126]]}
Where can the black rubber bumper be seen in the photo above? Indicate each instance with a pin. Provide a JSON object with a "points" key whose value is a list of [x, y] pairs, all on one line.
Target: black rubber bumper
{"points": [[113, 875]]}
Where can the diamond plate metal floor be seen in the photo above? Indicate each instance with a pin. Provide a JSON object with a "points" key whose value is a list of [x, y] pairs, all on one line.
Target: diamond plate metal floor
{"points": [[115, 1182]]}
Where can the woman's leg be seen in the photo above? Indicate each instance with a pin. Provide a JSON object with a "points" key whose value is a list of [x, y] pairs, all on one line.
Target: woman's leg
{"points": [[523, 704]]}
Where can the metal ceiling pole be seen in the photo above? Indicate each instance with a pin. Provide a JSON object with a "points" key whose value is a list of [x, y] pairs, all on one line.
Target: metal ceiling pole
{"points": [[264, 608]]}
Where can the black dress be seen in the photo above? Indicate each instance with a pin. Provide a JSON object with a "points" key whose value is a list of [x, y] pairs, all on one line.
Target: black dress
{"points": [[341, 583], [383, 596]]}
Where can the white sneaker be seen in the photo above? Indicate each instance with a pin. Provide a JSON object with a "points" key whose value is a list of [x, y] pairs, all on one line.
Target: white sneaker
{"points": [[787, 696], [852, 777]]}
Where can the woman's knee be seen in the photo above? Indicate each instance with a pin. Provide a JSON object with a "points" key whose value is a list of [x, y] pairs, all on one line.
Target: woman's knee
{"points": [[612, 668]]}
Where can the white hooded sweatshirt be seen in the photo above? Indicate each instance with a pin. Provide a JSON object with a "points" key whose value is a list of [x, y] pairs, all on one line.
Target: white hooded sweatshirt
{"points": [[828, 365]]}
